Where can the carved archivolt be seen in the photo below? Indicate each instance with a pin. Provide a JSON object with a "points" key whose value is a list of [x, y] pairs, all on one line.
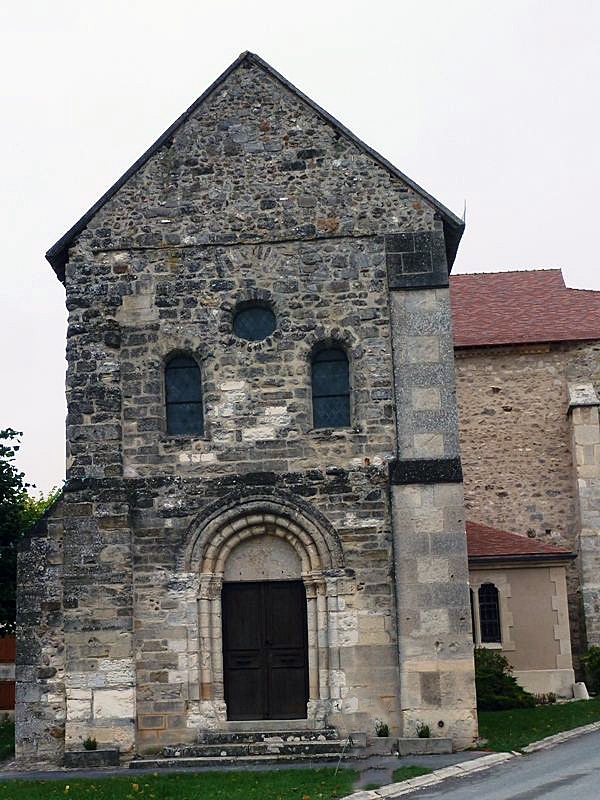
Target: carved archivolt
{"points": [[212, 539]]}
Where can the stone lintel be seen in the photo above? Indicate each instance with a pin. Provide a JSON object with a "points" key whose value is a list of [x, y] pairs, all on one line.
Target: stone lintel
{"points": [[425, 470], [582, 394]]}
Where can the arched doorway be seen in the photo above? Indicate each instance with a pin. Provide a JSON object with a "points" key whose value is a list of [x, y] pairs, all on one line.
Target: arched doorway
{"points": [[265, 635], [268, 577]]}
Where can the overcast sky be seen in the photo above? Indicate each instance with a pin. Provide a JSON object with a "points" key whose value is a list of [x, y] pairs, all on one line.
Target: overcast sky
{"points": [[492, 105]]}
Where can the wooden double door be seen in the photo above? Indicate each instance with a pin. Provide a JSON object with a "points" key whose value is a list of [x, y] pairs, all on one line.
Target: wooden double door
{"points": [[265, 650]]}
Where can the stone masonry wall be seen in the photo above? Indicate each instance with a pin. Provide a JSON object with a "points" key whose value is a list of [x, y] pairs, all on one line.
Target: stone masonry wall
{"points": [[40, 663], [255, 197], [363, 666], [516, 443]]}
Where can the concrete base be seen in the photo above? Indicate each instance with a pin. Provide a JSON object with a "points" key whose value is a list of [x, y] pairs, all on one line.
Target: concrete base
{"points": [[542, 681], [82, 759], [424, 747], [381, 746]]}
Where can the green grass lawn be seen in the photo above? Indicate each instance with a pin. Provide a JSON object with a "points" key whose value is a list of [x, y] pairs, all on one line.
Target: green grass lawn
{"points": [[514, 729], [408, 772], [288, 784]]}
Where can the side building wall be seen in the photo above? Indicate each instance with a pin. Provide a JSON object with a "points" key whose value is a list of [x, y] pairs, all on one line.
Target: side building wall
{"points": [[516, 434], [534, 624]]}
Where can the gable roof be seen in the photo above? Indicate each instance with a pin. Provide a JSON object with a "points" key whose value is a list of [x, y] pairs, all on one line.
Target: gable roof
{"points": [[57, 255], [521, 307], [485, 544]]}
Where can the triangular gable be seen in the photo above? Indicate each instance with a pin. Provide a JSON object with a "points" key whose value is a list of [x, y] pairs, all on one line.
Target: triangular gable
{"points": [[453, 227]]}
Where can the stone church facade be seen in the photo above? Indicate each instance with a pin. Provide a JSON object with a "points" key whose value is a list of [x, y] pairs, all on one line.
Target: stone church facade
{"points": [[263, 517]]}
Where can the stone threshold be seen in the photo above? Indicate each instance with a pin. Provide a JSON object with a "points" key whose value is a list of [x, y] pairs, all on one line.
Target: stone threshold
{"points": [[236, 761]]}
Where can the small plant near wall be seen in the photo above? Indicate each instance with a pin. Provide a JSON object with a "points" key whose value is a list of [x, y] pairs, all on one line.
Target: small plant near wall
{"points": [[381, 728], [545, 699], [591, 663], [423, 730], [90, 744]]}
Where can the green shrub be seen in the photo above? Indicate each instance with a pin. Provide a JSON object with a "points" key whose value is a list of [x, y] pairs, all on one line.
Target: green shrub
{"points": [[90, 744], [381, 728], [591, 664], [495, 685], [423, 730]]}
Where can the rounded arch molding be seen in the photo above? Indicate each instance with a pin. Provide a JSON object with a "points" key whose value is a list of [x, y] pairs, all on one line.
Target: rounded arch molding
{"points": [[214, 533], [211, 537]]}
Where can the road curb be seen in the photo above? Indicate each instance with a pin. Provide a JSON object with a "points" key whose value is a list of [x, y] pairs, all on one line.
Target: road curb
{"points": [[461, 770], [558, 738], [465, 768]]}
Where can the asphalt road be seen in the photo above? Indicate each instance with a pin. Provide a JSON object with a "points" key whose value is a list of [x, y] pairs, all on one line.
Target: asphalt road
{"points": [[570, 771]]}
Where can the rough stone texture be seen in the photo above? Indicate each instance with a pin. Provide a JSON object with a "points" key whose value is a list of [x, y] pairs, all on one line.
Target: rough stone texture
{"points": [[435, 641], [516, 444], [585, 430], [40, 708], [86, 759], [254, 197], [427, 422]]}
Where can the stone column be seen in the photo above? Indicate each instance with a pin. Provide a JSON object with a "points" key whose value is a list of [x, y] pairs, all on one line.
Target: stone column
{"points": [[435, 644], [98, 619], [40, 662], [585, 438]]}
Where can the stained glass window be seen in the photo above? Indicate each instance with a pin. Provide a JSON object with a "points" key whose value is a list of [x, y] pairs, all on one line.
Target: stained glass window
{"points": [[183, 394], [330, 389], [254, 323]]}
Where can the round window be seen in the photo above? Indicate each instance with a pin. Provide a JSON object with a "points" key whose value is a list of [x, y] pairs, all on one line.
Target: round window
{"points": [[254, 323]]}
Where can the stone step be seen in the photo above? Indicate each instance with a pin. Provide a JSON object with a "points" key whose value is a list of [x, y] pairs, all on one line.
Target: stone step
{"points": [[263, 748], [251, 737], [162, 763]]}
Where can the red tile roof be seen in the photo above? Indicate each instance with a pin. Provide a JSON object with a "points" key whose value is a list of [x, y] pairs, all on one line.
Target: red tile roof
{"points": [[484, 542], [518, 307]]}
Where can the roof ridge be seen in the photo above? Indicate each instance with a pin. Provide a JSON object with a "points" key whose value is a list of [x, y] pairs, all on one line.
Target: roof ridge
{"points": [[507, 272], [453, 226]]}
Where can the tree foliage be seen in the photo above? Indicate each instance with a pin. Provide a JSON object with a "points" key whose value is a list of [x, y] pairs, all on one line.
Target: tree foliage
{"points": [[18, 512]]}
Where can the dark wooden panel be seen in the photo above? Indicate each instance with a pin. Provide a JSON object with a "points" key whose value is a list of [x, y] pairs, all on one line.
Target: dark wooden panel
{"points": [[7, 649], [7, 695], [242, 616], [287, 665], [265, 653], [243, 650]]}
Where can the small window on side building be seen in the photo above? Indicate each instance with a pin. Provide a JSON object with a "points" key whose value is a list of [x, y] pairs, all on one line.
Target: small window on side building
{"points": [[183, 397], [489, 614]]}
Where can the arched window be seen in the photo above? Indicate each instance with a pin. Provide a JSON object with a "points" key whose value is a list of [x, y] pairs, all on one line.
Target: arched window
{"points": [[330, 389], [183, 396], [489, 614]]}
